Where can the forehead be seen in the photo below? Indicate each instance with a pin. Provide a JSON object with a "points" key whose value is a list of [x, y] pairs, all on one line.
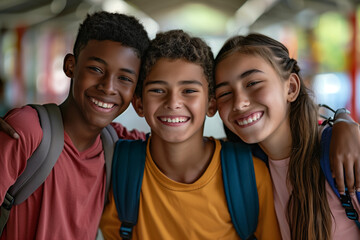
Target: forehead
{"points": [[109, 51], [174, 71], [237, 63]]}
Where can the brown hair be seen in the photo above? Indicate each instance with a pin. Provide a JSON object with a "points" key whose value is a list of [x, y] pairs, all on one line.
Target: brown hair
{"points": [[308, 210], [177, 44]]}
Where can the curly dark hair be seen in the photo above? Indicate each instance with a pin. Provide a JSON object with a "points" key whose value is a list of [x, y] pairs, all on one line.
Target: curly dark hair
{"points": [[176, 44], [115, 27]]}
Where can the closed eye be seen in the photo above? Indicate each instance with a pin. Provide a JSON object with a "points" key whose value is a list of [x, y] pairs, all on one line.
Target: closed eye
{"points": [[252, 83], [223, 94]]}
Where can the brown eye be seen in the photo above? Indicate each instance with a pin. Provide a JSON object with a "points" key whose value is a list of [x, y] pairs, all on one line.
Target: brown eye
{"points": [[95, 69], [155, 90], [190, 91], [124, 78]]}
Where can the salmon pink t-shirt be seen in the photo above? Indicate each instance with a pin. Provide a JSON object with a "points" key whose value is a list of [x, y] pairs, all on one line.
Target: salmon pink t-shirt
{"points": [[342, 227], [69, 204]]}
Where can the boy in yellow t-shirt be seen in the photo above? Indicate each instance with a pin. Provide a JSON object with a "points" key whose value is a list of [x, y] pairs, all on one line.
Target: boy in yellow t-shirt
{"points": [[182, 194]]}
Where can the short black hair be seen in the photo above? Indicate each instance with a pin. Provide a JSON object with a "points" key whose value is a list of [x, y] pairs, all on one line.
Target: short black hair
{"points": [[177, 44], [115, 27]]}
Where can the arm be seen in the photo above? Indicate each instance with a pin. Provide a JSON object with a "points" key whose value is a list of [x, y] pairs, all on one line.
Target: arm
{"points": [[268, 227], [14, 153], [5, 127], [123, 133], [345, 152]]}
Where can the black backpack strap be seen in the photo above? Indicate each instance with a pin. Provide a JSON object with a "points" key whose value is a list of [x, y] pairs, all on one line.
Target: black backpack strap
{"points": [[128, 170], [37, 169], [109, 138], [345, 199], [240, 187]]}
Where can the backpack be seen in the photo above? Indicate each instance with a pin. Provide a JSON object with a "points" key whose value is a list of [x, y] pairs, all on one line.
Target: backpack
{"points": [[43, 159], [237, 169], [325, 166]]}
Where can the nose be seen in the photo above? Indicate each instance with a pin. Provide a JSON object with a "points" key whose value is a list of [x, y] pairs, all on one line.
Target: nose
{"points": [[107, 85], [241, 101], [173, 101]]}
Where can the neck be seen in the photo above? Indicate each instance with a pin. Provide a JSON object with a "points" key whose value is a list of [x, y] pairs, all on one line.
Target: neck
{"points": [[81, 134], [278, 145], [183, 162]]}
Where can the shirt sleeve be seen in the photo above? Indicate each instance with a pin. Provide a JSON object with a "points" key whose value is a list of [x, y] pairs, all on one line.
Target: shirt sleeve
{"points": [[268, 227], [15, 152], [123, 133], [110, 223]]}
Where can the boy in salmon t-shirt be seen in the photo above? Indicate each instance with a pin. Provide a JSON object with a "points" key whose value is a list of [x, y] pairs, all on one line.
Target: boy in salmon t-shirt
{"points": [[104, 70]]}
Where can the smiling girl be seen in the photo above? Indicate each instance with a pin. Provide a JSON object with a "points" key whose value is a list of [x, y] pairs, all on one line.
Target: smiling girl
{"points": [[262, 99]]}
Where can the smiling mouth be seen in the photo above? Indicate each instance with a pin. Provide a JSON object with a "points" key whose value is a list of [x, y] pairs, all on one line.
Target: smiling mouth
{"points": [[102, 104], [249, 120], [174, 119]]}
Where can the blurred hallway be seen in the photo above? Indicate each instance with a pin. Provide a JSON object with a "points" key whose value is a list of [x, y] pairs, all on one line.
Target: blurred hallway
{"points": [[322, 34]]}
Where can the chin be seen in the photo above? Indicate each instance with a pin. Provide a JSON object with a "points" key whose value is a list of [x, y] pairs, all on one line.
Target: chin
{"points": [[175, 139], [101, 124], [249, 139]]}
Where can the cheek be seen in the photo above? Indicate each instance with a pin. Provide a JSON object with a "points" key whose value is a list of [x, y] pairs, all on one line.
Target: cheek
{"points": [[273, 98], [150, 106], [81, 82], [224, 110], [200, 106], [128, 92]]}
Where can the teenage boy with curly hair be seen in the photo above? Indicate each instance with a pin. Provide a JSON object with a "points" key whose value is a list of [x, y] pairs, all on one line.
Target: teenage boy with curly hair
{"points": [[182, 194]]}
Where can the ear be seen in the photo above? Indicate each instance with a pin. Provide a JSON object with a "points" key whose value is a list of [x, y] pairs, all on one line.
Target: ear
{"points": [[69, 64], [212, 108], [293, 87], [138, 105]]}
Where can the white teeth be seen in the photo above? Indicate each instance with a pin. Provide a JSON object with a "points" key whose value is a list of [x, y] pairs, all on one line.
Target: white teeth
{"points": [[251, 119], [102, 104], [173, 120]]}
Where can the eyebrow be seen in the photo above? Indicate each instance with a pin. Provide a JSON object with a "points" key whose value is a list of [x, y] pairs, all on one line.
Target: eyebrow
{"points": [[184, 82], [105, 63], [241, 76]]}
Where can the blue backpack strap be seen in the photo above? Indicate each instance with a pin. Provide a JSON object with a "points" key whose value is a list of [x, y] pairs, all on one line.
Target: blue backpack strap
{"points": [[127, 174], [240, 187], [325, 165]]}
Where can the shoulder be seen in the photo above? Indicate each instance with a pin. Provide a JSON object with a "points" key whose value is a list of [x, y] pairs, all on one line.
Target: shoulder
{"points": [[259, 166], [25, 121], [123, 133], [15, 114]]}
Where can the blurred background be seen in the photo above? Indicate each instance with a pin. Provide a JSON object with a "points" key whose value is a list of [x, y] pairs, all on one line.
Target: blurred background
{"points": [[323, 35]]}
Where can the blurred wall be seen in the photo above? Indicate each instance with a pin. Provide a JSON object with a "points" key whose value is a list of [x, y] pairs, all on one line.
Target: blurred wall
{"points": [[31, 55]]}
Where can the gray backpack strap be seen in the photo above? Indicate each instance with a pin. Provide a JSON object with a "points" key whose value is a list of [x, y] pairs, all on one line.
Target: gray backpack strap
{"points": [[109, 138], [37, 169]]}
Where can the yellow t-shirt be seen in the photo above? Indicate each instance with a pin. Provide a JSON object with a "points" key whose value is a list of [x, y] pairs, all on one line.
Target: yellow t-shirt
{"points": [[173, 210]]}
